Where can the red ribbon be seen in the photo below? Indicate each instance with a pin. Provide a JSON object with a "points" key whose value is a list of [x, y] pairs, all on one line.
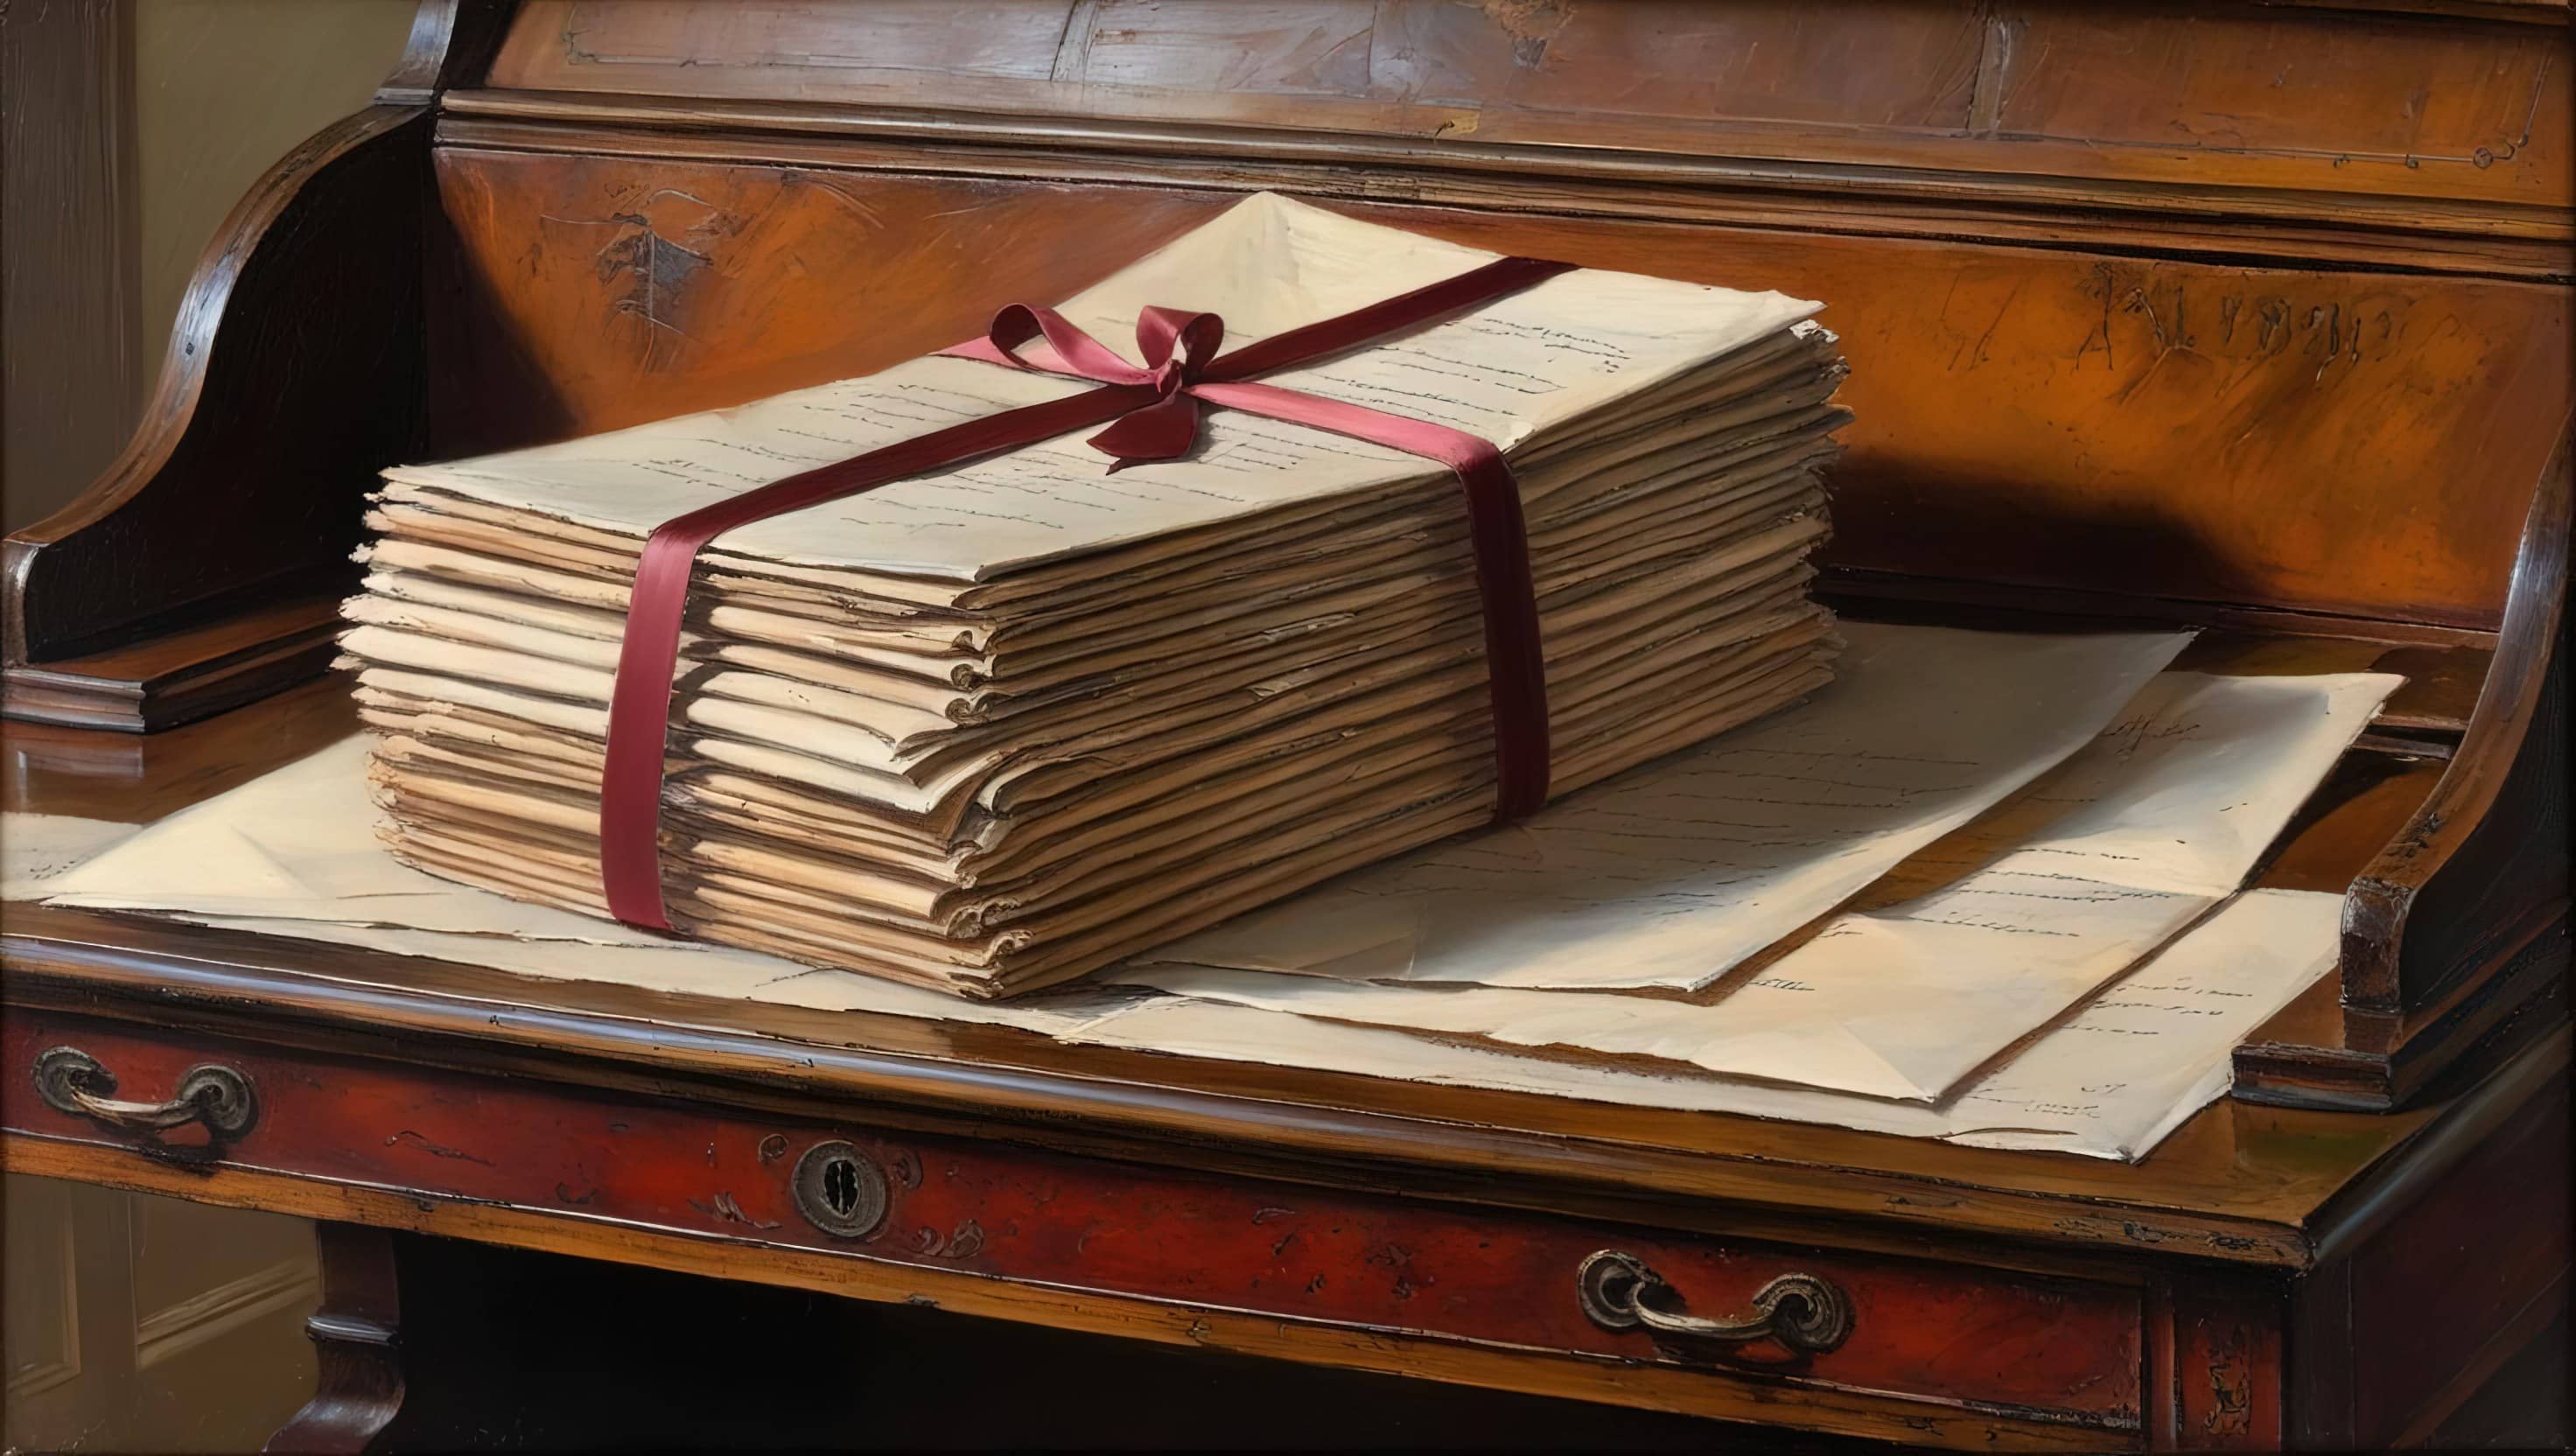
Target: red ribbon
{"points": [[1153, 414]]}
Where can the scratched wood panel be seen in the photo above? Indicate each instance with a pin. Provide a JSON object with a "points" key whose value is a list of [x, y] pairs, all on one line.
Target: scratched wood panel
{"points": [[2227, 1391], [2353, 443], [1014, 38], [2226, 94]]}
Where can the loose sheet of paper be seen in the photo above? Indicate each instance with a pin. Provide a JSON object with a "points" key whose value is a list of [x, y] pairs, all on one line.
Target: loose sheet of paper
{"points": [[1505, 370], [2109, 1082], [37, 850], [2131, 839], [1672, 874], [300, 844]]}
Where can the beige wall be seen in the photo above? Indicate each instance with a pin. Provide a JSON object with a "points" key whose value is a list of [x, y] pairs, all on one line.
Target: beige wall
{"points": [[215, 91], [222, 89], [137, 1323]]}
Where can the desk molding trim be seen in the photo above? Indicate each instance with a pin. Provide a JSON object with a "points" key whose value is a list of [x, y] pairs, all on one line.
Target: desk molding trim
{"points": [[2493, 240]]}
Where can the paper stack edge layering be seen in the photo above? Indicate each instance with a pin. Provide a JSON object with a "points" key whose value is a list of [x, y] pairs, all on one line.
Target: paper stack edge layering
{"points": [[1007, 721]]}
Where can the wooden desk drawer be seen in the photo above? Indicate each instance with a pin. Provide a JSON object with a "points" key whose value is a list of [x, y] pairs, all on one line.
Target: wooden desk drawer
{"points": [[2047, 1361]]}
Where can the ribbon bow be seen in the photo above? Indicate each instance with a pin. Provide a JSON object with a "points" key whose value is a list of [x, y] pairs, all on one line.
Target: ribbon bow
{"points": [[1180, 351], [1152, 413]]}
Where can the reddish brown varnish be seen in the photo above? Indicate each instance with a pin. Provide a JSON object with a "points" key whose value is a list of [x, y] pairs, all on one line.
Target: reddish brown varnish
{"points": [[2014, 1343]]}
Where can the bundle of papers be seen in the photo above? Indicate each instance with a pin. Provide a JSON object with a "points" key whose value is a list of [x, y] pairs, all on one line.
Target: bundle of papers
{"points": [[1004, 723]]}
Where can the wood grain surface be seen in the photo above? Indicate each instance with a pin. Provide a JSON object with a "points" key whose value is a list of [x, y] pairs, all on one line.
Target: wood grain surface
{"points": [[182, 580], [2335, 443]]}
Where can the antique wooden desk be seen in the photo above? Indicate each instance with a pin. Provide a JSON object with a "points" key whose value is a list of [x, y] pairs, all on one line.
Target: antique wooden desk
{"points": [[2247, 315]]}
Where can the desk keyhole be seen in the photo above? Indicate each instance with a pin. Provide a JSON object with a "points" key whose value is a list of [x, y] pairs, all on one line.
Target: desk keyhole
{"points": [[841, 1186], [840, 1190]]}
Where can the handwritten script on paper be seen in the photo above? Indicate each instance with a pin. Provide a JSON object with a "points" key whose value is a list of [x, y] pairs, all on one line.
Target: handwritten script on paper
{"points": [[2109, 1082], [2104, 859], [39, 849]]}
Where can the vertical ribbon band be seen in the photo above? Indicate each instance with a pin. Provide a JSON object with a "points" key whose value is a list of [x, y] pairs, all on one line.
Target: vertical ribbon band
{"points": [[1151, 413]]}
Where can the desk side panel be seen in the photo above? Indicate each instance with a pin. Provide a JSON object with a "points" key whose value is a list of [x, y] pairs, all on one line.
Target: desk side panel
{"points": [[2428, 1287]]}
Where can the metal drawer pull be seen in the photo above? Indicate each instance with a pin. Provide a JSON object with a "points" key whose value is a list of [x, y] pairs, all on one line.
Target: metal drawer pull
{"points": [[1800, 1311], [71, 1080]]}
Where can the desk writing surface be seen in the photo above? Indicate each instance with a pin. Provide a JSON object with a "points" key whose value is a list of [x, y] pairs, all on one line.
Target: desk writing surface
{"points": [[2237, 1181]]}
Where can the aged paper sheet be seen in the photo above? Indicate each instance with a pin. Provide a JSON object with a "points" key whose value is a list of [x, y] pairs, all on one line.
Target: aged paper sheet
{"points": [[37, 850], [2131, 839], [1671, 875], [690, 969], [300, 844], [2109, 1082]]}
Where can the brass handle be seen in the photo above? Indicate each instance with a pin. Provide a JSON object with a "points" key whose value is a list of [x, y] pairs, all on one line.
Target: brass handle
{"points": [[1800, 1311], [71, 1080]]}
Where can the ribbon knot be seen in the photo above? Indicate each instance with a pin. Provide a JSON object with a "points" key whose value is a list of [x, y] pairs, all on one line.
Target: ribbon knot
{"points": [[1179, 349]]}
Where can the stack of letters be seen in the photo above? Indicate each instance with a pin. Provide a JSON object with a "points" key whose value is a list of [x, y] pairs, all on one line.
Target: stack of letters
{"points": [[999, 724]]}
